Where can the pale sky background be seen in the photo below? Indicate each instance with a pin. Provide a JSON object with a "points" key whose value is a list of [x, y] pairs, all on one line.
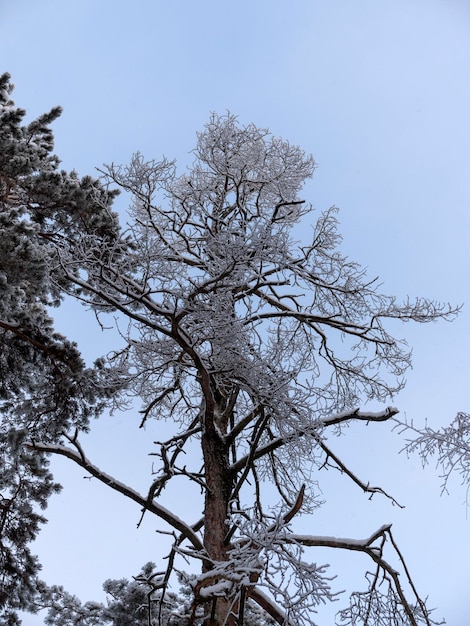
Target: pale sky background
{"points": [[379, 92]]}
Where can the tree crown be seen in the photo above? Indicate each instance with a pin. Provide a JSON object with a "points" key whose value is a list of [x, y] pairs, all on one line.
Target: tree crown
{"points": [[254, 344]]}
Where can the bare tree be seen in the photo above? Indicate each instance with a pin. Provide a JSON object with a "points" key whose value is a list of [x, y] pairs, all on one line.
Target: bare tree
{"points": [[256, 348]]}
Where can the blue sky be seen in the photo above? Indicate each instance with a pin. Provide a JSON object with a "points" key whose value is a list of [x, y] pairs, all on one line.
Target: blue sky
{"points": [[378, 92]]}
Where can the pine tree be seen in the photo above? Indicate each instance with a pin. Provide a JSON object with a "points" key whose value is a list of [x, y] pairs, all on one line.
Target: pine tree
{"points": [[254, 346], [45, 388], [141, 601]]}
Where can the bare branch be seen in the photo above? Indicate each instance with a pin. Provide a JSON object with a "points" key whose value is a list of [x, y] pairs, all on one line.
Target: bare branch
{"points": [[114, 484], [376, 554], [279, 442], [342, 467]]}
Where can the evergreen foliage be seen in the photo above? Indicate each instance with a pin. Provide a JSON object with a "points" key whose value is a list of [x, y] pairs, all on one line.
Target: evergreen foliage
{"points": [[45, 388]]}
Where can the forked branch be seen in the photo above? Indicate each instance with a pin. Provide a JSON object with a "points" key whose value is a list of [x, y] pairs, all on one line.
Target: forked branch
{"points": [[375, 552], [80, 459]]}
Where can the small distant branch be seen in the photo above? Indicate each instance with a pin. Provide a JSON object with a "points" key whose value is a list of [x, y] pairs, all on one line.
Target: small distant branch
{"points": [[146, 412], [242, 423], [169, 470], [296, 506], [449, 445], [257, 432]]}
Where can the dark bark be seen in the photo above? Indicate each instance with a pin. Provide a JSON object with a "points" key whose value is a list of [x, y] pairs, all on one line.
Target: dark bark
{"points": [[219, 485]]}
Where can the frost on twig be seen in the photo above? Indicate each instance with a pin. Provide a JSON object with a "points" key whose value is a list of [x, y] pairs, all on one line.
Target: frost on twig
{"points": [[448, 447], [377, 608]]}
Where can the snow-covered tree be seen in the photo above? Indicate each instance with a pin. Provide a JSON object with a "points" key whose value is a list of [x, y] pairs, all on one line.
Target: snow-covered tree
{"points": [[256, 347], [45, 388], [141, 601]]}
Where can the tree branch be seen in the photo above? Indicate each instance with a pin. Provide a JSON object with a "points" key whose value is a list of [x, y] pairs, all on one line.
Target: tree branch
{"points": [[343, 468], [95, 471], [381, 416], [267, 605], [364, 416], [375, 553]]}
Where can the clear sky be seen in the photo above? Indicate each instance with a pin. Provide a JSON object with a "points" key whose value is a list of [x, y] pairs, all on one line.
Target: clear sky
{"points": [[379, 92]]}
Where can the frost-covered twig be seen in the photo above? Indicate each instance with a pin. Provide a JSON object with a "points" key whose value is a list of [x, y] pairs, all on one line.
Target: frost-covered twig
{"points": [[376, 554], [449, 445]]}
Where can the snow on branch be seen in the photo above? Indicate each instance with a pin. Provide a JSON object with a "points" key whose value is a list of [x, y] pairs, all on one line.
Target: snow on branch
{"points": [[78, 457], [245, 463], [415, 613], [365, 416]]}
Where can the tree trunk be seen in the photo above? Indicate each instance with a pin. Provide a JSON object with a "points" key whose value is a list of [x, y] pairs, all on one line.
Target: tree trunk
{"points": [[217, 498]]}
